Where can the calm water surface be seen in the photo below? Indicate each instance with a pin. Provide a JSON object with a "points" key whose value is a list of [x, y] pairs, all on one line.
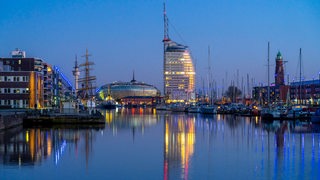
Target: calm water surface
{"points": [[144, 144]]}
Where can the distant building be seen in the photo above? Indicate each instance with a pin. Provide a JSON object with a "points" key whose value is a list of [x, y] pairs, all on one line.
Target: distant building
{"points": [[277, 94], [130, 93], [306, 92], [17, 53]]}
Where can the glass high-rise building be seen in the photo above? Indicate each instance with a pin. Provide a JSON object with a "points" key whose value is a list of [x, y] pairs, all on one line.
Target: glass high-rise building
{"points": [[179, 73]]}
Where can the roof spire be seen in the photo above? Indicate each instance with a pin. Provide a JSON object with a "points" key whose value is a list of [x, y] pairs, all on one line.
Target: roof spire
{"points": [[133, 79], [76, 62]]}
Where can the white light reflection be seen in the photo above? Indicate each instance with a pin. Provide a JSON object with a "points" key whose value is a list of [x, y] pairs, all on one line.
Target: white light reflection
{"points": [[60, 151]]}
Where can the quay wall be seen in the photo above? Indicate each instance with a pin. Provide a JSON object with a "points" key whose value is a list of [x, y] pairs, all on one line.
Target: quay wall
{"points": [[10, 119]]}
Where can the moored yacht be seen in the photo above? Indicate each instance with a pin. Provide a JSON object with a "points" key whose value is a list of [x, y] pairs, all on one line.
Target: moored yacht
{"points": [[208, 109]]}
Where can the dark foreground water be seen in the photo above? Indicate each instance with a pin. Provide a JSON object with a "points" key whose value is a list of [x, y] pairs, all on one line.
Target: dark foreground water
{"points": [[144, 144]]}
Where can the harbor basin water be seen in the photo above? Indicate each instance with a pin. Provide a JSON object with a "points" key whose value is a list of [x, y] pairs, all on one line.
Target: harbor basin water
{"points": [[141, 143]]}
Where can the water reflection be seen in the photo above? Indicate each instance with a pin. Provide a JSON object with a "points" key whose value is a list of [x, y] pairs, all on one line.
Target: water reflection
{"points": [[179, 140], [294, 149], [169, 146], [30, 146], [136, 119], [274, 150]]}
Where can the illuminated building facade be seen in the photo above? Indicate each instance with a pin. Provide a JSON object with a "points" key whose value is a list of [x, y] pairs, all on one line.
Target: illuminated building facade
{"points": [[21, 89], [306, 92], [47, 85], [62, 89], [179, 74], [21, 82], [29, 82], [130, 93]]}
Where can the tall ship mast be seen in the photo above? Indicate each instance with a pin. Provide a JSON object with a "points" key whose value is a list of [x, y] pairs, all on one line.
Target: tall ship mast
{"points": [[88, 81]]}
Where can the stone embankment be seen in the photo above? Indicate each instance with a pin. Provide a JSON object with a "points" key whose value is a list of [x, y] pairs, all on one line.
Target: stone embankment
{"points": [[9, 119]]}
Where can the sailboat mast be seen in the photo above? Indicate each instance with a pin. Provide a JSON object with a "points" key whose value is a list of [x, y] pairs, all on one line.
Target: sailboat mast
{"points": [[248, 88], [268, 74], [300, 84], [209, 78]]}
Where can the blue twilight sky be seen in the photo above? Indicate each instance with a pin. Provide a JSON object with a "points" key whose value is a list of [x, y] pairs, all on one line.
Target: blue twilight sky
{"points": [[126, 35]]}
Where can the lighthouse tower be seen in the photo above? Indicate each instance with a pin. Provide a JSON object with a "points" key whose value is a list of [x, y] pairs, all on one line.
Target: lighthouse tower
{"points": [[279, 74]]}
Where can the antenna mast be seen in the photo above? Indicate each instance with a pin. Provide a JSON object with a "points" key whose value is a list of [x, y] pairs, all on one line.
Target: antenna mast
{"points": [[165, 41], [166, 26]]}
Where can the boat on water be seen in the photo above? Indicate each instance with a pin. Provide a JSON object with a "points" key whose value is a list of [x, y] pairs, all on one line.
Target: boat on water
{"points": [[161, 107], [270, 114], [194, 109], [297, 112], [177, 107], [315, 118], [109, 102], [208, 109]]}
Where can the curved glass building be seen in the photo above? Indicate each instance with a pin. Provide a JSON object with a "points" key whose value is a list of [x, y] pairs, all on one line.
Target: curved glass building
{"points": [[133, 92], [179, 73]]}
